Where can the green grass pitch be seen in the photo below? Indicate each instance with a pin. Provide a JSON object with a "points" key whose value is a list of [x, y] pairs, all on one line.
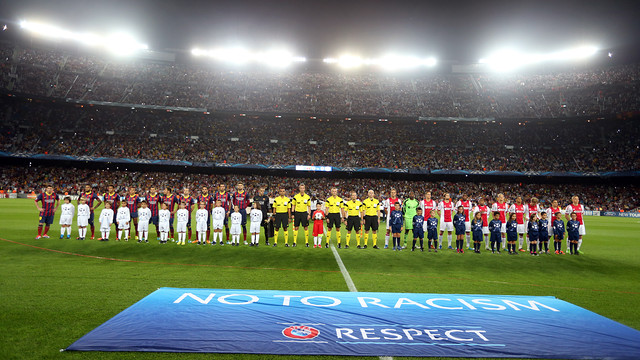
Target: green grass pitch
{"points": [[52, 298]]}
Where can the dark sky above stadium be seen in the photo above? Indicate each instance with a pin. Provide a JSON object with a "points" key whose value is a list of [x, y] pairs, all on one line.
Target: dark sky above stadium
{"points": [[449, 30]]}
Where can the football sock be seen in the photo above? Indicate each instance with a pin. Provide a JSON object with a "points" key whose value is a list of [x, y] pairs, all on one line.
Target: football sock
{"points": [[63, 230], [366, 239], [189, 234], [578, 245], [520, 241], [126, 233], [46, 229], [414, 244], [435, 244], [208, 234], [422, 243], [93, 231], [120, 234], [286, 236], [386, 240], [306, 237], [295, 236], [468, 240], [449, 239], [244, 232]]}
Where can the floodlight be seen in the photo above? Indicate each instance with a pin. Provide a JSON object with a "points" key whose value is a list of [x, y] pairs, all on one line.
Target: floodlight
{"points": [[122, 44], [349, 61]]}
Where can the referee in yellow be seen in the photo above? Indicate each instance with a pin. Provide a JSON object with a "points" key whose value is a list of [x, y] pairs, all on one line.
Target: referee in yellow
{"points": [[334, 205], [371, 218], [301, 214], [282, 211], [354, 216]]}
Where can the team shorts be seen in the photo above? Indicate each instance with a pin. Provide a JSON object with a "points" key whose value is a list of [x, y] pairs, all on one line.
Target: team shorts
{"points": [[558, 236], [371, 222], [143, 226], [496, 237], [300, 218], [154, 220], [460, 230], [467, 226], [582, 230], [520, 229], [544, 236], [485, 230], [533, 237], [396, 229], [134, 214], [201, 226], [318, 228], [418, 234], [181, 226], [353, 222], [83, 221], [281, 221], [503, 229], [236, 229], [66, 219], [334, 219], [123, 225], [163, 226], [254, 228], [46, 219], [243, 212], [218, 224], [432, 234], [512, 236], [105, 227], [91, 217], [477, 235], [446, 226]]}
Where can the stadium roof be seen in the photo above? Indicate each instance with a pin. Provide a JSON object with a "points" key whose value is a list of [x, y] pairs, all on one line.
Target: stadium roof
{"points": [[459, 30]]}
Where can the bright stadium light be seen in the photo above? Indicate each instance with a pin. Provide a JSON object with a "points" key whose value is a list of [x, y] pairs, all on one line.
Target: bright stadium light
{"points": [[510, 59], [389, 62], [119, 44], [350, 61], [275, 58]]}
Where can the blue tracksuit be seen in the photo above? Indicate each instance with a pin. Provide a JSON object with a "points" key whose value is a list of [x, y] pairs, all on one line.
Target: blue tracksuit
{"points": [[476, 229], [396, 221], [432, 228], [458, 223], [418, 230]]}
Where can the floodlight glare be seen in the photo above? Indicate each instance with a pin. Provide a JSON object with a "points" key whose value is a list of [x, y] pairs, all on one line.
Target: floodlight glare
{"points": [[349, 61], [509, 60]]}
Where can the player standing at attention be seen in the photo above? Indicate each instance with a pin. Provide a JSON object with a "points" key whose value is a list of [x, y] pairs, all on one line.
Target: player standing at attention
{"points": [[372, 218], [236, 228], [182, 218], [188, 201], [144, 215], [418, 229], [164, 216], [206, 199], [67, 211], [500, 206], [396, 222], [241, 199], [558, 233], [496, 228], [202, 222], [282, 211], [133, 202], [225, 201], [476, 231], [512, 233], [573, 233], [484, 211], [467, 206], [171, 200], [533, 234], [520, 210], [543, 225], [153, 200], [334, 205], [256, 223], [551, 215], [301, 214], [90, 196], [318, 225], [112, 197], [576, 207], [106, 218], [432, 230], [123, 217], [389, 206], [409, 209], [458, 223], [50, 202], [263, 201], [427, 206], [532, 208], [354, 215], [218, 215], [83, 218], [445, 208]]}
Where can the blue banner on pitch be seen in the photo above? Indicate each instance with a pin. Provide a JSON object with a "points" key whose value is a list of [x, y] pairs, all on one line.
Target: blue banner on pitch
{"points": [[377, 324]]}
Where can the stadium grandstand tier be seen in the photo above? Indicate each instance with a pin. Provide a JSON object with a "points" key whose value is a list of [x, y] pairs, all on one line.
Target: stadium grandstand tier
{"points": [[599, 91], [71, 181]]}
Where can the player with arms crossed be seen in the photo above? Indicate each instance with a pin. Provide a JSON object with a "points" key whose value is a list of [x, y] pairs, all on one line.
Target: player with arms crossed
{"points": [[67, 211], [389, 206], [576, 207], [50, 202]]}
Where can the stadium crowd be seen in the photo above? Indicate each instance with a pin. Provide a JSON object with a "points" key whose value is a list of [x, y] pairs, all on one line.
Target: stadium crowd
{"points": [[70, 75]]}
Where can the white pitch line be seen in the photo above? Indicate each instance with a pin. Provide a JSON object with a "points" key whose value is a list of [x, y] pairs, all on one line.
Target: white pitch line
{"points": [[350, 284]]}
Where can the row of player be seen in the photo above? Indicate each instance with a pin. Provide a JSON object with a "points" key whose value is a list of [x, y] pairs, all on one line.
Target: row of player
{"points": [[299, 208]]}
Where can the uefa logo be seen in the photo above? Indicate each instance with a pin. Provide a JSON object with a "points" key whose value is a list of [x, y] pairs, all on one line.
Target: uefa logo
{"points": [[300, 332]]}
